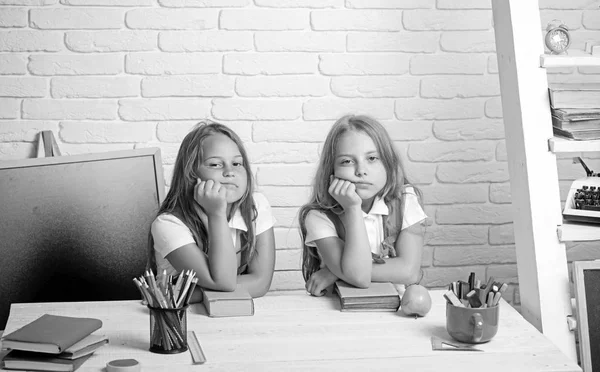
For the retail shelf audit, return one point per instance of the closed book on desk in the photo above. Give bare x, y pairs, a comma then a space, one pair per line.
378, 297
31, 361
221, 304
50, 333
575, 95
84, 347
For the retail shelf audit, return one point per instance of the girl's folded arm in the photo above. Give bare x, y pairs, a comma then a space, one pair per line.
332, 251
257, 280
210, 275
406, 267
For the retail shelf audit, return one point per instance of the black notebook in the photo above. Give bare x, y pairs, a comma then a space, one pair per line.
28, 360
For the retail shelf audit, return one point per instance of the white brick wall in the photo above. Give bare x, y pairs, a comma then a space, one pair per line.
119, 74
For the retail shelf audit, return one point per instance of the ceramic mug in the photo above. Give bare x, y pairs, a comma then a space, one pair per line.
472, 325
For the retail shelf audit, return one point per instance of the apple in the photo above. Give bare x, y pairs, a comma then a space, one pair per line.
416, 301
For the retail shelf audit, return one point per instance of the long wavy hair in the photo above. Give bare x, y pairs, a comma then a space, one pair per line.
320, 198
180, 198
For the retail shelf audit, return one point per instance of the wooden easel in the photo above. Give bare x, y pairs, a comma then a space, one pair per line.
47, 145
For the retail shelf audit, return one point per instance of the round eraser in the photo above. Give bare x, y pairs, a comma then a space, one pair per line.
123, 365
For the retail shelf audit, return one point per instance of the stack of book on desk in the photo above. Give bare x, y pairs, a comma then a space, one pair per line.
52, 343
575, 110
223, 304
378, 297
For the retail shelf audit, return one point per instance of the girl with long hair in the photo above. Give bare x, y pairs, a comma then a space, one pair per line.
212, 221
364, 221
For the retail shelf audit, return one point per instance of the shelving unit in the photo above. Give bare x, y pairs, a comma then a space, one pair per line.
562, 145
574, 58
570, 232
531, 147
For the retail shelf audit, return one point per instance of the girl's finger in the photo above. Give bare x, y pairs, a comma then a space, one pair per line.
311, 286
338, 187
345, 186
331, 188
334, 182
319, 292
351, 188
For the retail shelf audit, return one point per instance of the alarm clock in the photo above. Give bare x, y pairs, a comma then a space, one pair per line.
557, 37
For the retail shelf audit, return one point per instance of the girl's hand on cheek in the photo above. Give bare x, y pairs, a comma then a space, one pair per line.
344, 192
211, 195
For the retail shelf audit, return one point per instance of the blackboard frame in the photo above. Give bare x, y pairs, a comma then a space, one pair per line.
583, 322
57, 245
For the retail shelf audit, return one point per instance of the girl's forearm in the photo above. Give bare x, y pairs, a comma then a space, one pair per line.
256, 285
356, 258
222, 260
396, 270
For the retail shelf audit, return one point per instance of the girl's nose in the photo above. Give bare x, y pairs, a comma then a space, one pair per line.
360, 171
228, 171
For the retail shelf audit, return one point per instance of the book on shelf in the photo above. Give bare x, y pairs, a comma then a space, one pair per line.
580, 135
29, 360
226, 304
378, 297
84, 347
574, 95
50, 333
576, 114
575, 125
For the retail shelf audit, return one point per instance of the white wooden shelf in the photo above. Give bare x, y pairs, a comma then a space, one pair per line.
564, 145
571, 232
575, 58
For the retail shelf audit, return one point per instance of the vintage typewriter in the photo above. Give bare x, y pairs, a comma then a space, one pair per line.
583, 200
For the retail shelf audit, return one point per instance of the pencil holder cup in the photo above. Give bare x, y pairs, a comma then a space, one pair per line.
472, 325
168, 330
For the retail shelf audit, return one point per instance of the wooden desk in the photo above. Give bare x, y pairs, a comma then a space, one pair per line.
295, 332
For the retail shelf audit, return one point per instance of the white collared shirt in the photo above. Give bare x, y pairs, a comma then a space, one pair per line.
170, 233
319, 226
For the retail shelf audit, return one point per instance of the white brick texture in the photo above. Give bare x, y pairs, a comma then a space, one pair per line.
85, 18
171, 19
74, 65
121, 74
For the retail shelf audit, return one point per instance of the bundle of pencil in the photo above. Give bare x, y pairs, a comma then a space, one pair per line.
167, 299
473, 294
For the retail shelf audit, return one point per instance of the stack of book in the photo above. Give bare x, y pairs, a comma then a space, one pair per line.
224, 304
378, 297
575, 110
52, 343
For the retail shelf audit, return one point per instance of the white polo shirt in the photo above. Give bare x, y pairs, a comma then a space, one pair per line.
170, 233
319, 226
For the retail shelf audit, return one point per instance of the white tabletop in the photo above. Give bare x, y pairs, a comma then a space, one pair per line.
293, 331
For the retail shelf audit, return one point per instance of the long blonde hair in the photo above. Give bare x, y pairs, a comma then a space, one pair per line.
321, 199
180, 198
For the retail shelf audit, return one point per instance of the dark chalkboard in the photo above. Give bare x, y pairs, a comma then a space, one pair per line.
75, 228
587, 292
